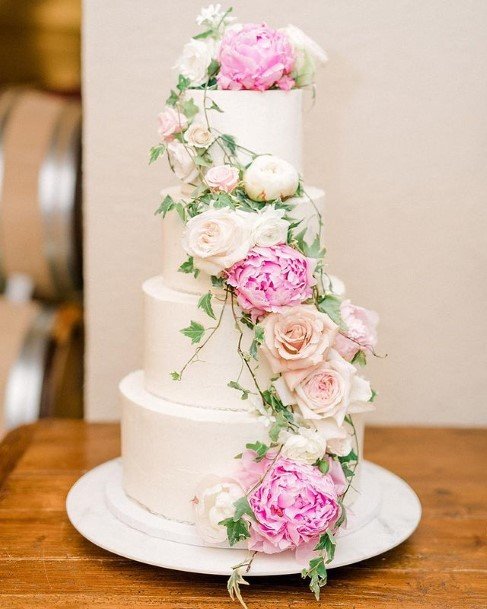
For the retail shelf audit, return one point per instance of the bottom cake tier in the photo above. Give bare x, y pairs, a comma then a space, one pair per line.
169, 449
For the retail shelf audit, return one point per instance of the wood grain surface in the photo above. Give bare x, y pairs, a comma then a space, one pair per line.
45, 563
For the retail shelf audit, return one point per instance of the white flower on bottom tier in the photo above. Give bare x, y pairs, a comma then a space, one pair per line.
306, 446
218, 238
182, 162
268, 178
269, 227
214, 503
330, 389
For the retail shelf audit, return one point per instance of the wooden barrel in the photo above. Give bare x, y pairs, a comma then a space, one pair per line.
41, 363
40, 180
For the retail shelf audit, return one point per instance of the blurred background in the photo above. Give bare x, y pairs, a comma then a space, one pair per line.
397, 137
41, 317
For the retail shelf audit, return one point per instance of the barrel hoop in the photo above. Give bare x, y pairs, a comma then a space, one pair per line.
57, 196
24, 386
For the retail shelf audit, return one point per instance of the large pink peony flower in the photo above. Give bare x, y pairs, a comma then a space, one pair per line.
361, 328
295, 504
256, 57
270, 278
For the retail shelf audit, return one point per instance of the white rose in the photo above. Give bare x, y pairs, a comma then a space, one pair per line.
214, 504
182, 162
338, 439
269, 227
306, 446
309, 55
329, 389
195, 60
199, 136
268, 177
217, 239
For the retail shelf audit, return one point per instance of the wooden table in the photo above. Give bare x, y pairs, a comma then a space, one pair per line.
45, 563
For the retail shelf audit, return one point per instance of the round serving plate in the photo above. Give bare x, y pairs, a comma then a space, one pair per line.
385, 515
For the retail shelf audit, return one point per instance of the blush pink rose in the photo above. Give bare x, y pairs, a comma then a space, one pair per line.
361, 328
270, 278
222, 178
297, 337
255, 57
170, 122
294, 504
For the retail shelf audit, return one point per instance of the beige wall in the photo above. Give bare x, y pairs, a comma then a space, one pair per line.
398, 139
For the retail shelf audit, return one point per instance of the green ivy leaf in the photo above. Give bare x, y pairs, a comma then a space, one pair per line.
214, 106
315, 250
259, 448
327, 544
155, 152
183, 83
175, 376
359, 359
352, 456
237, 530
331, 306
188, 267
217, 282
316, 571
194, 331
223, 200
172, 100
373, 396
189, 108
258, 338
203, 35
204, 303
242, 508
167, 205
238, 387
203, 160
246, 320
229, 142
213, 68
179, 207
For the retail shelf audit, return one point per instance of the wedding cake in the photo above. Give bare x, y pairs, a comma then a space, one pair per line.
245, 425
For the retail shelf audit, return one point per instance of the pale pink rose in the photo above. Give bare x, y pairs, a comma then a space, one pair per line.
294, 504
361, 327
330, 389
255, 57
222, 178
297, 337
170, 122
270, 278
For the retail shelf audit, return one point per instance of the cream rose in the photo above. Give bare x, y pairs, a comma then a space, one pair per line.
169, 122
309, 55
217, 239
330, 389
269, 227
222, 178
296, 338
182, 162
268, 177
306, 446
199, 136
338, 439
195, 60
213, 504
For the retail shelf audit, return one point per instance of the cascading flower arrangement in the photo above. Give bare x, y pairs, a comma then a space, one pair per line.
267, 267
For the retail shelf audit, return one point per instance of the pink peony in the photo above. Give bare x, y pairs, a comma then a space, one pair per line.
361, 327
270, 278
170, 122
255, 57
222, 178
295, 504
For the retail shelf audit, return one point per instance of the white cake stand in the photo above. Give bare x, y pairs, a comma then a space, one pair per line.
386, 513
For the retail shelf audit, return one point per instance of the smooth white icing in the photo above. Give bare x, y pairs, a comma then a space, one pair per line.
268, 122
204, 382
169, 449
173, 254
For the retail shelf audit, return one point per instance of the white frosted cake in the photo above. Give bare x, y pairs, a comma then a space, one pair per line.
244, 423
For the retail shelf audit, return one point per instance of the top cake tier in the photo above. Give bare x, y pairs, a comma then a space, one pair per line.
268, 122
